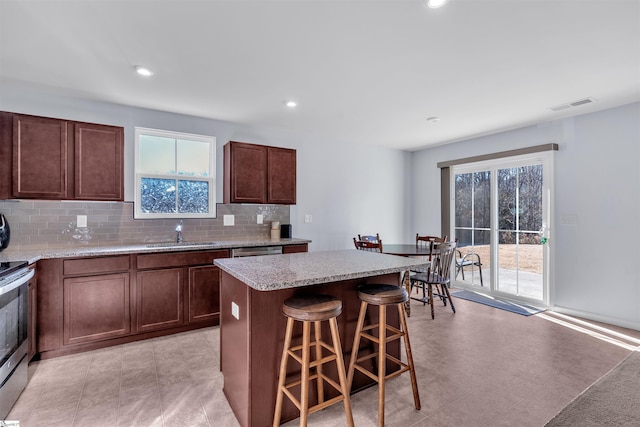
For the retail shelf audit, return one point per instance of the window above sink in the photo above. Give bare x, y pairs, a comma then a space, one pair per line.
174, 174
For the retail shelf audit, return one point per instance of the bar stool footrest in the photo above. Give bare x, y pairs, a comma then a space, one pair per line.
366, 372
316, 377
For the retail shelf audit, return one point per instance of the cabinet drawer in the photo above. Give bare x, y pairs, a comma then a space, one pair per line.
292, 249
177, 259
95, 265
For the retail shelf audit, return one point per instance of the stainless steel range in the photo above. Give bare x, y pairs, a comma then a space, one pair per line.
14, 344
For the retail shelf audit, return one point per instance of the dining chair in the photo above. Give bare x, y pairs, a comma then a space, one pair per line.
364, 245
469, 259
438, 275
370, 238
426, 242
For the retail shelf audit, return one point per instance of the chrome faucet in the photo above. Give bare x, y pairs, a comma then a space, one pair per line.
179, 232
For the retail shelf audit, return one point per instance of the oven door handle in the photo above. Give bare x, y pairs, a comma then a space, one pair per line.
17, 283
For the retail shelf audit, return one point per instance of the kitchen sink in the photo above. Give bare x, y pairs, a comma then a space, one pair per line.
176, 244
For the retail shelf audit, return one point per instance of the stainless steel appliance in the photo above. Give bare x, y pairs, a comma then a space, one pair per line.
256, 251
5, 232
14, 340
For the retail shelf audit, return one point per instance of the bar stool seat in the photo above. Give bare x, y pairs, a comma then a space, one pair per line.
312, 309
382, 295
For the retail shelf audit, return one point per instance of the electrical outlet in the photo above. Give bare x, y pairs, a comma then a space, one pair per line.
81, 221
308, 218
235, 310
229, 220
260, 219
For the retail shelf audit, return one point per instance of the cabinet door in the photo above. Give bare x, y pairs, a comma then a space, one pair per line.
6, 144
96, 308
40, 157
245, 173
159, 299
99, 159
204, 293
281, 176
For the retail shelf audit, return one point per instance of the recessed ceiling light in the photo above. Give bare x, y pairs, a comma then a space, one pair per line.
144, 71
291, 104
433, 119
436, 3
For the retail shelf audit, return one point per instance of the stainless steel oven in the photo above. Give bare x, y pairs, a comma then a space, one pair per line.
14, 340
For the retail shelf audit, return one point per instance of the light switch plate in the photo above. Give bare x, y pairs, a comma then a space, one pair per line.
260, 218
81, 221
235, 310
308, 218
569, 219
229, 220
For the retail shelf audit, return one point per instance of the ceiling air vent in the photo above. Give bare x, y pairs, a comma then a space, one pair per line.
572, 104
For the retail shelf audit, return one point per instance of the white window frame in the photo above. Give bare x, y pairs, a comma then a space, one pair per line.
211, 179
546, 158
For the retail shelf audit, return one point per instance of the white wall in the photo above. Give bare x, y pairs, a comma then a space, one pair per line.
597, 179
348, 189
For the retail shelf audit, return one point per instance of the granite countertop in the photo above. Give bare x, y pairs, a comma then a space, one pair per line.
274, 272
34, 254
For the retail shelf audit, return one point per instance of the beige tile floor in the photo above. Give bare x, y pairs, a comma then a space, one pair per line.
479, 367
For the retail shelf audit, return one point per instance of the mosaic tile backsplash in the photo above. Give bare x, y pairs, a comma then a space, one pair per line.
45, 224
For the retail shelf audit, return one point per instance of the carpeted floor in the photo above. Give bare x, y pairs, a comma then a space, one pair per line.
613, 400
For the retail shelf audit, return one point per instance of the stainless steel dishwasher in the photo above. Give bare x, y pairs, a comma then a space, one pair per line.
256, 251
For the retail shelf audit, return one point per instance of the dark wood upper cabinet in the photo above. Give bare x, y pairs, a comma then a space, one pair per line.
245, 173
98, 162
40, 157
60, 159
281, 176
259, 174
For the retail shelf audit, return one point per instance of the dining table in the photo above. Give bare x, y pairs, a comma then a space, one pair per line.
407, 250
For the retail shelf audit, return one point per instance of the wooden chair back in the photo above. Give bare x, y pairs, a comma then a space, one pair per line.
363, 245
443, 255
428, 242
370, 238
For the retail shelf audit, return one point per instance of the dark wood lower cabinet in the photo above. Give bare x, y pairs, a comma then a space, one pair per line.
292, 249
80, 304
160, 299
204, 294
93, 302
96, 308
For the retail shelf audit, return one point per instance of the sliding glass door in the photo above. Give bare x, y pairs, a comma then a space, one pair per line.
472, 197
520, 255
500, 212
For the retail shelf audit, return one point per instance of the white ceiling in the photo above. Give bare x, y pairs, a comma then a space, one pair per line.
362, 71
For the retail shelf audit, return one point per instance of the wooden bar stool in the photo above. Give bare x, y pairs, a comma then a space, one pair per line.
312, 309
382, 296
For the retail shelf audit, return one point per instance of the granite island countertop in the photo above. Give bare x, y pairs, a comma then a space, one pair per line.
274, 272
34, 254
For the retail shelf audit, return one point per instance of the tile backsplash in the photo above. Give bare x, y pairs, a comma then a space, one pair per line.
41, 223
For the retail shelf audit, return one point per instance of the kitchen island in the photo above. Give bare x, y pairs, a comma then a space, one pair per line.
252, 325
